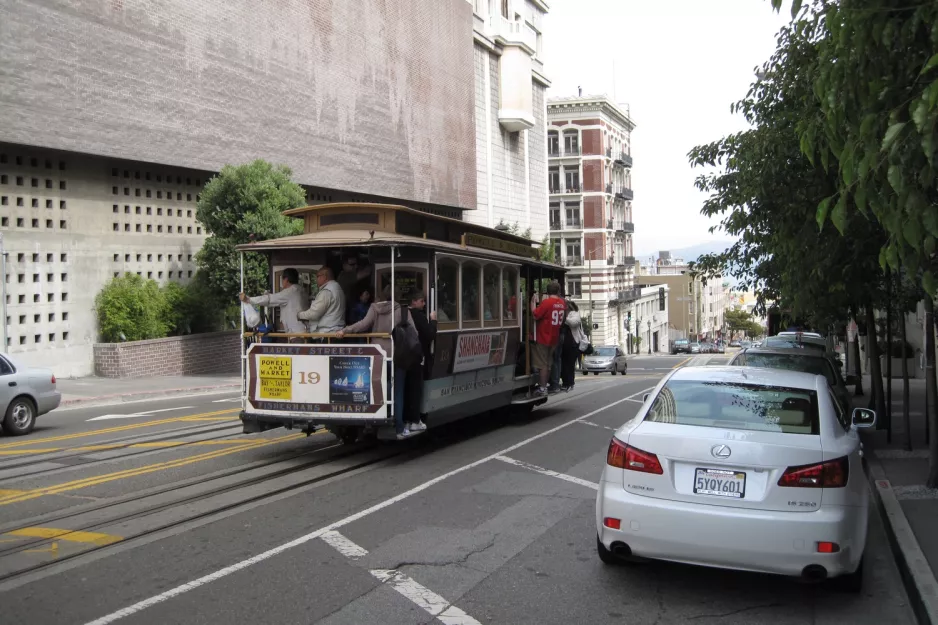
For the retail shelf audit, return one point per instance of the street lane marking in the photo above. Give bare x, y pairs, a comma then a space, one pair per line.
53, 549
596, 425
219, 401
343, 545
682, 362
120, 428
6, 492
433, 603
74, 536
137, 414
128, 473
424, 597
106, 447
543, 471
302, 540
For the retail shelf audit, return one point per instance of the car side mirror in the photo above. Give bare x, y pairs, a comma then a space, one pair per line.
863, 418
645, 397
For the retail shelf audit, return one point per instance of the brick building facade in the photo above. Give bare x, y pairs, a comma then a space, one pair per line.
590, 209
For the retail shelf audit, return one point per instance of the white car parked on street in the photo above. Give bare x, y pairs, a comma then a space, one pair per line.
739, 468
25, 393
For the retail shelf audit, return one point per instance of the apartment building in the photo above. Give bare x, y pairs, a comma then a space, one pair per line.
510, 115
590, 208
695, 308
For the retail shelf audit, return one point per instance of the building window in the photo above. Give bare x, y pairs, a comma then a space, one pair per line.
573, 252
553, 179
572, 214
553, 143
571, 142
575, 288
555, 216
572, 178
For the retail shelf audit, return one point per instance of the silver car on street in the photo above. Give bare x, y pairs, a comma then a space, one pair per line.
608, 359
25, 393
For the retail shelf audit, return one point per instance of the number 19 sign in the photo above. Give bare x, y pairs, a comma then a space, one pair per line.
329, 380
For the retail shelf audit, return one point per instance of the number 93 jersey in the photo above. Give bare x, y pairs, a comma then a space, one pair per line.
549, 315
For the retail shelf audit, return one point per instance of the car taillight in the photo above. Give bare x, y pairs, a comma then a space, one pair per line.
623, 456
53, 379
830, 474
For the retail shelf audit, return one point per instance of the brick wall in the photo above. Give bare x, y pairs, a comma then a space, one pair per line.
593, 175
593, 212
197, 354
592, 142
369, 96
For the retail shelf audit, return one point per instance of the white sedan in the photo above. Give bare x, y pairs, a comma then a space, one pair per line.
739, 468
25, 393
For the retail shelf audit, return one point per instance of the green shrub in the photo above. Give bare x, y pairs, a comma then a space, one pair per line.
139, 309
133, 307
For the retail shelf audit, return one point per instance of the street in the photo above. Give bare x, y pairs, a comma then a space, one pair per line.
163, 512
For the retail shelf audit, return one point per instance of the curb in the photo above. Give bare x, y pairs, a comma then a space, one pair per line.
119, 398
917, 576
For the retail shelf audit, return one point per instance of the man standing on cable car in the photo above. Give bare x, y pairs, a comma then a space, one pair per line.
327, 312
548, 316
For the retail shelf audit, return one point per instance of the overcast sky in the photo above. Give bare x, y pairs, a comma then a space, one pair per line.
679, 64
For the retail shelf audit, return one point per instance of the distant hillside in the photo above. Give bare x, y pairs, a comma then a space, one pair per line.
690, 253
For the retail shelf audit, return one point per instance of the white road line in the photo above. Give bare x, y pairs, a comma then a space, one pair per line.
425, 598
596, 425
343, 545
543, 471
228, 399
137, 414
234, 568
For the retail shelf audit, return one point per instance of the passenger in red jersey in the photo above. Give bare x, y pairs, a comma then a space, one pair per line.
549, 317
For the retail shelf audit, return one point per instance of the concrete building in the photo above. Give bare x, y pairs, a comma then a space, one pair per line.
108, 138
590, 183
510, 115
695, 309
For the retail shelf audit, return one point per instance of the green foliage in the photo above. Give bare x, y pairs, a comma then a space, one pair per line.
753, 329
546, 251
139, 309
772, 193
875, 89
241, 204
737, 320
131, 306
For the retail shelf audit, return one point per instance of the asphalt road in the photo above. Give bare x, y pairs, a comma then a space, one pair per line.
179, 518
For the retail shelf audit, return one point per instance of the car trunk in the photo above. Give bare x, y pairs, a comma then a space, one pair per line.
698, 470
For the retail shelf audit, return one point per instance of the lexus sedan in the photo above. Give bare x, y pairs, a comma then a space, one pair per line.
739, 468
605, 360
25, 393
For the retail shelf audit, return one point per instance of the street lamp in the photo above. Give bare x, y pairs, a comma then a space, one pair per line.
589, 263
649, 336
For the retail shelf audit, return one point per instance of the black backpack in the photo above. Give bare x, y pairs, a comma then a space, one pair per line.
408, 352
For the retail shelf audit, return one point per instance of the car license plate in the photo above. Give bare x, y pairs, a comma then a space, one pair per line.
720, 483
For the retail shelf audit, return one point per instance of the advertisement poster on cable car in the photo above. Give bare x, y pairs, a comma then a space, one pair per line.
478, 350
333, 380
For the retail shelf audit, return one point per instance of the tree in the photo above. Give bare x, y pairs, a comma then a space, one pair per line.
737, 320
754, 329
245, 203
130, 308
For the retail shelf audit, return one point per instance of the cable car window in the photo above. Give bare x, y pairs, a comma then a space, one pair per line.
491, 309
510, 295
471, 297
447, 286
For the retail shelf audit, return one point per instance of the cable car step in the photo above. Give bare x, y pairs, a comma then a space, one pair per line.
525, 400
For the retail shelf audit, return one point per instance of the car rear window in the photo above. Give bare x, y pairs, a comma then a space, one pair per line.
605, 352
736, 406
781, 341
791, 362
681, 342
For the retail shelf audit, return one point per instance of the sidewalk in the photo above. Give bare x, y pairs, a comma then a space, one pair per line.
911, 509
93, 391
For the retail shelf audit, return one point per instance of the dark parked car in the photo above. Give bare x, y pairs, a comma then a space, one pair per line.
680, 346
804, 360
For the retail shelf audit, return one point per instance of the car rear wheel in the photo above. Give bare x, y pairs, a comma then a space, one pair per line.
20, 418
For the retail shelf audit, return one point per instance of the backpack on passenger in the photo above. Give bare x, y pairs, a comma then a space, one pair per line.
408, 352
